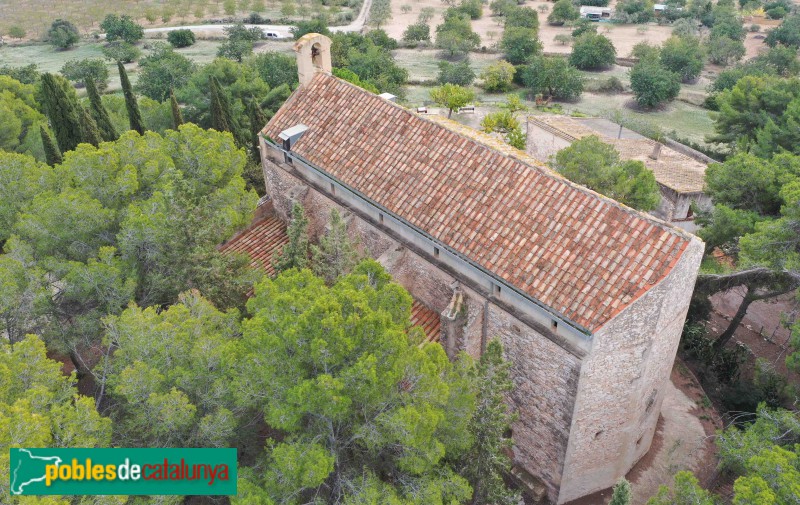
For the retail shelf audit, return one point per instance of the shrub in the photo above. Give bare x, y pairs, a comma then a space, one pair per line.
121, 28
62, 34
610, 85
634, 11
418, 32
498, 76
78, 70
455, 36
181, 38
460, 73
563, 39
652, 84
121, 51
381, 39
777, 12
684, 56
16, 32
724, 50
685, 27
472, 8
563, 11
502, 7
788, 33
592, 51
645, 51
584, 26
553, 76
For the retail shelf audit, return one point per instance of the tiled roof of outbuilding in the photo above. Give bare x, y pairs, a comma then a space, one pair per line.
583, 255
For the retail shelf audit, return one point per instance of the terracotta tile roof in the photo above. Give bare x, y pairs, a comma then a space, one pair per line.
672, 169
262, 239
427, 319
577, 252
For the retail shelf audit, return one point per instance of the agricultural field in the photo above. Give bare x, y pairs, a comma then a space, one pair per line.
35, 16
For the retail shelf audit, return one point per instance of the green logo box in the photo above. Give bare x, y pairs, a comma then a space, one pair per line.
123, 471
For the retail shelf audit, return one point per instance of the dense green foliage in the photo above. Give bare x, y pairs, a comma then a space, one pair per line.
62, 34
452, 97
498, 76
79, 70
181, 38
595, 164
455, 36
759, 112
163, 69
369, 58
135, 219
788, 33
520, 40
652, 84
239, 43
460, 73
121, 28
418, 32
553, 76
563, 11
119, 50
684, 56
40, 407
764, 456
19, 129
592, 51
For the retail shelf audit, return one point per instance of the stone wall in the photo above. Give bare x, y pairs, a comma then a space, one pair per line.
545, 375
621, 384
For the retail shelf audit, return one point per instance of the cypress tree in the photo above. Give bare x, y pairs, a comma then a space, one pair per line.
621, 494
177, 117
134, 115
336, 255
61, 104
257, 122
221, 119
295, 253
51, 152
99, 112
90, 133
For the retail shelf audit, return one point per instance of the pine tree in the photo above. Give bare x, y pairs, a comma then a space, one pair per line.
221, 119
99, 112
621, 494
336, 256
485, 463
177, 117
295, 253
257, 122
134, 115
61, 105
90, 133
51, 152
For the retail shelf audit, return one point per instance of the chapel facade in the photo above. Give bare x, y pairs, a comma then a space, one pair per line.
587, 296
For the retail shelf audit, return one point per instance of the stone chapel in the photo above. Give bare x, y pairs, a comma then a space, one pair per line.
587, 296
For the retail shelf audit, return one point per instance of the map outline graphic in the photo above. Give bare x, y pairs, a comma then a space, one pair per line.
19, 487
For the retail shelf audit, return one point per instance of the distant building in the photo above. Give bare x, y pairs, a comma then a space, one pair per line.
680, 177
595, 13
587, 296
